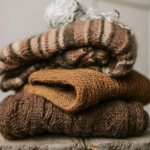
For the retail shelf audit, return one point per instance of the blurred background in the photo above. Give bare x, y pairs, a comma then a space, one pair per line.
20, 19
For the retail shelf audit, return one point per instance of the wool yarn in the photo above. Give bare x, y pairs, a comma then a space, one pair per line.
63, 12
26, 114
98, 43
74, 90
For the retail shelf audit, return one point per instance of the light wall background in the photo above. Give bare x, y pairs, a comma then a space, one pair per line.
20, 19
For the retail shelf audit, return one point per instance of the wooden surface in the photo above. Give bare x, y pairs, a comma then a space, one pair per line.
53, 142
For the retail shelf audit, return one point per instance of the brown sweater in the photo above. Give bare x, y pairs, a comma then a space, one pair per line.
96, 44
26, 114
74, 90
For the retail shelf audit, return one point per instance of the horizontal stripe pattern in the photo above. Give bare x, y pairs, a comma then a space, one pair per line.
98, 33
79, 33
20, 49
51, 45
15, 55
36, 46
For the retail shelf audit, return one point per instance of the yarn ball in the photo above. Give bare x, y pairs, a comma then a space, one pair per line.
63, 12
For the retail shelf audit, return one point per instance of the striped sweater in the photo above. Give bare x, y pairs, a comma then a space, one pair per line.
98, 44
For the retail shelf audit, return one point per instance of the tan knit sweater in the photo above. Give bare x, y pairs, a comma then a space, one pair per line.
74, 90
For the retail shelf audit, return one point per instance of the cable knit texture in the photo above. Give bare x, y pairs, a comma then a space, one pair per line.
26, 114
74, 90
98, 44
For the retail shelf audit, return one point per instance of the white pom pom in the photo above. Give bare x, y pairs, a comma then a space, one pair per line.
64, 12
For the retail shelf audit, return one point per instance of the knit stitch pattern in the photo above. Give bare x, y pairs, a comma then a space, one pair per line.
19, 77
26, 114
102, 45
74, 90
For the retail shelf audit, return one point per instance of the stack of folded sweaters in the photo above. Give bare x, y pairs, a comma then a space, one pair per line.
75, 79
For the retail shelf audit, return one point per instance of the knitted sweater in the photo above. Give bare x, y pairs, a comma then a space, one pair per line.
26, 114
99, 44
74, 90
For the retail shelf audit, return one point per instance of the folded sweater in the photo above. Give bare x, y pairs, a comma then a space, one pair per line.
26, 114
97, 44
74, 90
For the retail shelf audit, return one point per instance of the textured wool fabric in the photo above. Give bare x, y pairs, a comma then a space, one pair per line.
105, 46
74, 90
18, 78
25, 114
